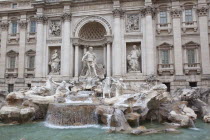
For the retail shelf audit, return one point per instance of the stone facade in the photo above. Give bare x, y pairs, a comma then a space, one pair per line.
171, 40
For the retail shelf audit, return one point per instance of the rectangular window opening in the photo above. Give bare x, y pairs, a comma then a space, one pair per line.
10, 88
193, 84
168, 85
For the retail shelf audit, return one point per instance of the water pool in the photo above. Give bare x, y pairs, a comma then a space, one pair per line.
39, 131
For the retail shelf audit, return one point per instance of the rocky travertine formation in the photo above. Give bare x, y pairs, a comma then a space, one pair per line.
124, 112
153, 104
198, 99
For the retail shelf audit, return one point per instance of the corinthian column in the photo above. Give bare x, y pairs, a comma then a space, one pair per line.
4, 32
21, 62
39, 62
176, 14
117, 51
67, 50
203, 26
149, 40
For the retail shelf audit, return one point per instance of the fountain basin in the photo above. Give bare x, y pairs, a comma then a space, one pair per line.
71, 114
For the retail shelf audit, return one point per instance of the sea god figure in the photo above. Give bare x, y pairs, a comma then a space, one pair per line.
133, 59
55, 63
89, 60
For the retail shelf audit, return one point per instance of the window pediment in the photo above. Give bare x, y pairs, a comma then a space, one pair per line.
191, 44
165, 46
12, 53
30, 52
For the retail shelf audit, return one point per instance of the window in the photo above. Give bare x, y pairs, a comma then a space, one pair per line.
31, 62
14, 27
168, 85
10, 88
33, 27
12, 62
193, 84
188, 15
163, 17
29, 86
14, 5
191, 56
165, 56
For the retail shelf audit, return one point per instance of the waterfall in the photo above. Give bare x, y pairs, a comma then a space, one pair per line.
193, 125
71, 114
109, 119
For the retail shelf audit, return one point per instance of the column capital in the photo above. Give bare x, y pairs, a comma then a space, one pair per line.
109, 39
23, 24
176, 13
41, 18
66, 16
148, 10
202, 11
4, 25
118, 12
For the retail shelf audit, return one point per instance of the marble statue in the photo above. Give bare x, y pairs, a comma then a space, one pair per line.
107, 87
89, 59
119, 87
45, 90
55, 63
133, 59
55, 29
62, 89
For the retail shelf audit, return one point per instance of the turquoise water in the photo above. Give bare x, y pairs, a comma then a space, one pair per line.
39, 131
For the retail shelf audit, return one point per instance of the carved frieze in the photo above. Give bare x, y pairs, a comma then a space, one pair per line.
55, 28
4, 26
132, 23
176, 13
66, 16
203, 11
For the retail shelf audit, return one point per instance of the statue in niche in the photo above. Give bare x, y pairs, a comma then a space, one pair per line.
55, 63
89, 59
55, 28
132, 23
133, 59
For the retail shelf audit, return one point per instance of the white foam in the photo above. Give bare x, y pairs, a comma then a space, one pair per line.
196, 129
86, 101
71, 127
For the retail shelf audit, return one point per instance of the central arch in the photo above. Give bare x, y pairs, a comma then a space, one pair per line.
96, 32
88, 19
92, 31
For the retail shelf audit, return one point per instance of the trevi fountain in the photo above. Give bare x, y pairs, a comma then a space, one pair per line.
96, 106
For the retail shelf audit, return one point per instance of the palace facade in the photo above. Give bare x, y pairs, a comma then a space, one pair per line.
39, 38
